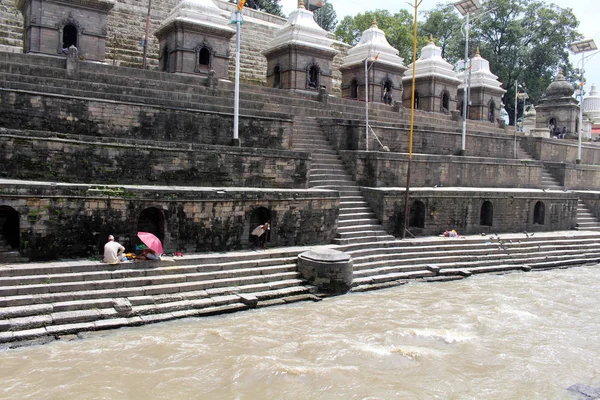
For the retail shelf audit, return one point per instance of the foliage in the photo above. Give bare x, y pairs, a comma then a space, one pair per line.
525, 41
326, 17
268, 6
443, 23
398, 30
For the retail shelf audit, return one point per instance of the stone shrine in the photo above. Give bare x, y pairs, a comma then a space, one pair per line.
385, 68
194, 39
300, 55
486, 91
436, 84
50, 27
558, 109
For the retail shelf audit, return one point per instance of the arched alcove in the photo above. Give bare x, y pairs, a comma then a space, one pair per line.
69, 36
313, 77
539, 213
204, 57
9, 228
276, 76
416, 216
354, 89
492, 111
486, 216
417, 99
445, 102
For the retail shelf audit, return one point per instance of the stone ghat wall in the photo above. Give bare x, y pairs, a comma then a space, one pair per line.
556, 150
377, 169
122, 119
512, 210
349, 135
575, 176
73, 221
126, 26
119, 161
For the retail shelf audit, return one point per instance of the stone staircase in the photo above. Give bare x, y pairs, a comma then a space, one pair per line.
441, 259
357, 222
45, 300
586, 221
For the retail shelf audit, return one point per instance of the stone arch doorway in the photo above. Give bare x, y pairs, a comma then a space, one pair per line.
259, 216
152, 220
486, 216
386, 95
10, 230
491, 111
69, 36
539, 213
164, 61
417, 100
204, 58
416, 217
354, 89
277, 77
312, 81
445, 102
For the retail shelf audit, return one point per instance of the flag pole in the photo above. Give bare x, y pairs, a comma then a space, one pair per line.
412, 122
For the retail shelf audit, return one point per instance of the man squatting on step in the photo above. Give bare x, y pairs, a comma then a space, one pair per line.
113, 251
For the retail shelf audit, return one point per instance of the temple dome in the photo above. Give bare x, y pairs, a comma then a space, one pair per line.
373, 43
481, 76
301, 30
559, 88
196, 12
591, 104
431, 63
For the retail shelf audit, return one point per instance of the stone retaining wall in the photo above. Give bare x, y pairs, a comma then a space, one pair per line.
565, 150
72, 221
513, 210
109, 118
575, 176
382, 169
75, 159
350, 135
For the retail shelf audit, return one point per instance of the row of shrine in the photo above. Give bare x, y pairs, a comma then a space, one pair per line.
195, 38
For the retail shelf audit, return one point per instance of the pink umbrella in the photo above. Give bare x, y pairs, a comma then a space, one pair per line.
151, 241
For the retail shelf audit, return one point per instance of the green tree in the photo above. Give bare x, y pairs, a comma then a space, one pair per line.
444, 24
268, 6
326, 17
525, 41
398, 30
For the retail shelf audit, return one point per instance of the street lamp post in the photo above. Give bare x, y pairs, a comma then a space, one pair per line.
581, 47
465, 8
237, 19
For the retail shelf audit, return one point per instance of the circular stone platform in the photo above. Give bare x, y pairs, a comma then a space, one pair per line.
330, 270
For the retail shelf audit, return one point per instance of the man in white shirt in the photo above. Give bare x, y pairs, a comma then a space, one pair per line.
113, 251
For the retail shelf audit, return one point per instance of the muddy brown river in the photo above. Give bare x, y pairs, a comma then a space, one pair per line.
516, 336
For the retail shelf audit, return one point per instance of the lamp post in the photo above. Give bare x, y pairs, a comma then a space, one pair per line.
465, 8
237, 19
581, 47
145, 54
524, 96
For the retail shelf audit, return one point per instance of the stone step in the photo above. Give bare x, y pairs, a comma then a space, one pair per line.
15, 296
356, 223
347, 215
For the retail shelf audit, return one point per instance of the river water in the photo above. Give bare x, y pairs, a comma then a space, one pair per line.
516, 336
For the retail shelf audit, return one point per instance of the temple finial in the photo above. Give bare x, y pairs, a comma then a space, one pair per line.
300, 3
431, 38
477, 52
374, 23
